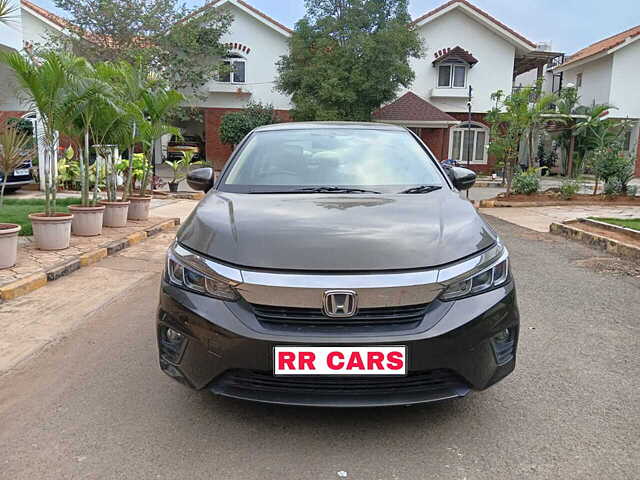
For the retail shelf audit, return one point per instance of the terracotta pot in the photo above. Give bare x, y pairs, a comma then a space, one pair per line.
8, 244
51, 233
139, 208
87, 221
115, 214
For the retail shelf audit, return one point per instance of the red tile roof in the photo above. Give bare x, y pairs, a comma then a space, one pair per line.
52, 17
603, 45
410, 107
457, 52
477, 10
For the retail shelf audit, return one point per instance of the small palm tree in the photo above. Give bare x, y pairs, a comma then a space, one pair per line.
42, 85
13, 150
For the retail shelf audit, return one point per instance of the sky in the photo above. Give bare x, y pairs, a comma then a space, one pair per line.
568, 24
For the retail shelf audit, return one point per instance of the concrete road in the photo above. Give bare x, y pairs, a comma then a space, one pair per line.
95, 405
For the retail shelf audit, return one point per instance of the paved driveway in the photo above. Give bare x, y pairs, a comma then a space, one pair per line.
95, 405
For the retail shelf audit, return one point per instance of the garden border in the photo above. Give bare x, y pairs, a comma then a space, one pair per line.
16, 288
600, 242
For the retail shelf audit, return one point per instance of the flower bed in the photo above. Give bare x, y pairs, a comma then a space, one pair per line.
553, 199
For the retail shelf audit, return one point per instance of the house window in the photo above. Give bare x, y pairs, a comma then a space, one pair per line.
579, 79
238, 66
451, 75
468, 143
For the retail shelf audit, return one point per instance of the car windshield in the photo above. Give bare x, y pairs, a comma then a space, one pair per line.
299, 159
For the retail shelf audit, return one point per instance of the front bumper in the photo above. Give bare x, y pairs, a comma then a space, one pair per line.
457, 348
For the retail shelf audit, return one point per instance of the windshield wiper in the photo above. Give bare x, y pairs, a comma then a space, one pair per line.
422, 189
331, 189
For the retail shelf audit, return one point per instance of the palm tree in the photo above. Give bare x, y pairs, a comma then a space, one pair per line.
43, 86
157, 104
13, 150
7, 11
129, 82
82, 101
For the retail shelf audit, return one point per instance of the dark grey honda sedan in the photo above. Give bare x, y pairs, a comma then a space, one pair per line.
336, 264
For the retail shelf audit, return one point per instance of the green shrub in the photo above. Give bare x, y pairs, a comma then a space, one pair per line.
569, 188
526, 183
235, 126
613, 187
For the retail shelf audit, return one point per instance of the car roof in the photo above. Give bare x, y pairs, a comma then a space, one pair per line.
324, 125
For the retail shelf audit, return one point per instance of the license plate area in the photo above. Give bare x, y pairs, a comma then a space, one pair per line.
351, 361
21, 172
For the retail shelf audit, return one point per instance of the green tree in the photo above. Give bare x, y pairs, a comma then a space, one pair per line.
235, 126
509, 120
162, 35
347, 57
42, 84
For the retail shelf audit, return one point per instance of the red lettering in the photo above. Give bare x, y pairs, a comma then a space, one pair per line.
285, 360
355, 361
333, 365
394, 361
306, 359
374, 360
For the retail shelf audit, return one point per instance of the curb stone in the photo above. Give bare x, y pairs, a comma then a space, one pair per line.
25, 285
22, 286
600, 242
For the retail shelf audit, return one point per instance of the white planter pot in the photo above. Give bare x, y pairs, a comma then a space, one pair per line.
87, 221
115, 214
8, 244
139, 208
51, 233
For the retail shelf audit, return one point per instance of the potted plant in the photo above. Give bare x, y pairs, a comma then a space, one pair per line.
43, 83
83, 102
140, 202
13, 149
177, 167
116, 211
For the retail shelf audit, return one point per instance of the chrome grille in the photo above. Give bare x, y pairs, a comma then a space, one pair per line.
314, 317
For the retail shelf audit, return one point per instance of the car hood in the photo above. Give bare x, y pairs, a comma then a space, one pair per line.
336, 232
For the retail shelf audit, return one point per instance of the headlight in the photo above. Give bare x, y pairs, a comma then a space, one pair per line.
477, 282
189, 271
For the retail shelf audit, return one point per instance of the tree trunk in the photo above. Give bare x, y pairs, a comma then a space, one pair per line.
127, 188
4, 184
570, 159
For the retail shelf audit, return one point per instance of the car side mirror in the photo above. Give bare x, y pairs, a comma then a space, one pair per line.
462, 178
201, 179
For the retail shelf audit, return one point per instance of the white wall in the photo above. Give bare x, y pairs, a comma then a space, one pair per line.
34, 30
596, 80
267, 45
9, 99
493, 71
625, 82
528, 79
11, 33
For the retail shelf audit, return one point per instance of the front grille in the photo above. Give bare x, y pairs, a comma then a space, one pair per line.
314, 317
429, 382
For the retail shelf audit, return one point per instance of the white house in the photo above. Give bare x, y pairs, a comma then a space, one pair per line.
465, 47
606, 72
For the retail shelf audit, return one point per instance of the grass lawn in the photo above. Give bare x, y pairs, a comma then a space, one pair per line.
17, 210
633, 223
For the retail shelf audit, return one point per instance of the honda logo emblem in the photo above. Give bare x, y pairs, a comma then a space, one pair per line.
340, 303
